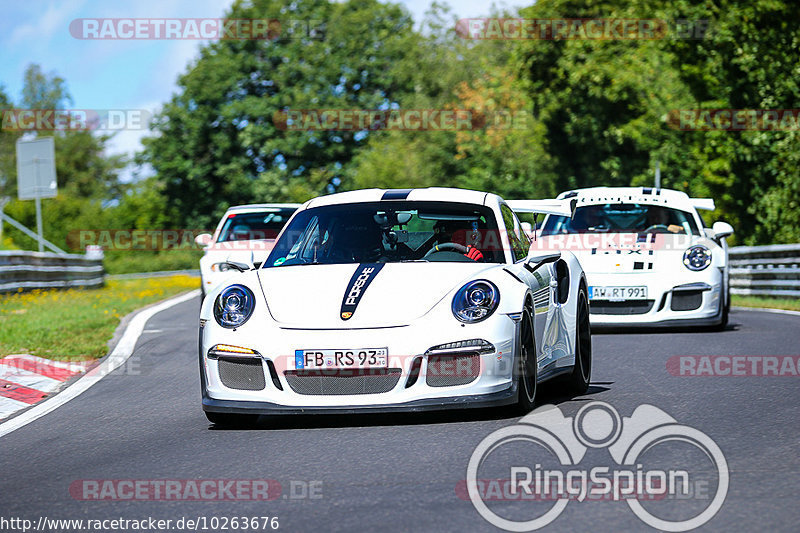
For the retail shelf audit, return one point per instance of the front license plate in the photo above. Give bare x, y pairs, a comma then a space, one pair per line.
360, 358
618, 293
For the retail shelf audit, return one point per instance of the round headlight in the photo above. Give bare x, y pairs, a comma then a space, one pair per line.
475, 301
234, 306
697, 257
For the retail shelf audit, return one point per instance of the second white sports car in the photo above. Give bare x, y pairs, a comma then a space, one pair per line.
649, 257
410, 300
245, 234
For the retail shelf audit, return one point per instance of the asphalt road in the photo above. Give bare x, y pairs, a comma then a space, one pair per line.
396, 473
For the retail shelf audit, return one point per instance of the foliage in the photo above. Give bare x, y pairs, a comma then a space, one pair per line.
218, 142
594, 112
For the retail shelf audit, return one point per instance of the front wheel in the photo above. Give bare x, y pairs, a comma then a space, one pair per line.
526, 365
582, 370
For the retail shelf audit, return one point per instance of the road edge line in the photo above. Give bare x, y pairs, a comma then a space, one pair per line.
121, 352
767, 310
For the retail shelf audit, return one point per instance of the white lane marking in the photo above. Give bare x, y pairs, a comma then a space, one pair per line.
29, 379
8, 406
768, 310
118, 356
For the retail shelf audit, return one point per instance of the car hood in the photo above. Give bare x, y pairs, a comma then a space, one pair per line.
312, 296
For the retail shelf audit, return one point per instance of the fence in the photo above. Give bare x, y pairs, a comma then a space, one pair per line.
42, 270
766, 270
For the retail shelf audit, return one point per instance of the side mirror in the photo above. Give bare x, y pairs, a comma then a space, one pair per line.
722, 230
204, 239
241, 267
535, 261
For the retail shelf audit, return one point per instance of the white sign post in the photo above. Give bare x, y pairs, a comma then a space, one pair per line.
36, 175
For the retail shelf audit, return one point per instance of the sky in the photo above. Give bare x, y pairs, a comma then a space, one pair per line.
122, 74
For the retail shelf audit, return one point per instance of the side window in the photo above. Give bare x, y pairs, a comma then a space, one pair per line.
516, 237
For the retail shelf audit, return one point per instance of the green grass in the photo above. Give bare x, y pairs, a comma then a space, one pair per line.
792, 304
76, 324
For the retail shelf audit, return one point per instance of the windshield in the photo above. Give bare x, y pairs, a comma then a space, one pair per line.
265, 224
623, 218
384, 232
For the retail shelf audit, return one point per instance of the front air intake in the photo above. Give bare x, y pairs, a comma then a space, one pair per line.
686, 300
452, 370
242, 373
339, 382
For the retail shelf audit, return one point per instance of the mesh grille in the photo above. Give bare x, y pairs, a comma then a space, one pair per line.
341, 382
452, 370
686, 300
635, 307
242, 374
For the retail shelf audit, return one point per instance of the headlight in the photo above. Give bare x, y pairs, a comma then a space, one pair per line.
234, 306
476, 301
697, 257
221, 267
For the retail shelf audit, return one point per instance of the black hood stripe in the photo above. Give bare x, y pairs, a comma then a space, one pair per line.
362, 277
396, 194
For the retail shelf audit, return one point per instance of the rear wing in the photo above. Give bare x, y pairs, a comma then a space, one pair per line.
544, 207
706, 204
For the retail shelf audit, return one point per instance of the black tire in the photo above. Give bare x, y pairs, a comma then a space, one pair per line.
581, 375
231, 419
526, 370
726, 309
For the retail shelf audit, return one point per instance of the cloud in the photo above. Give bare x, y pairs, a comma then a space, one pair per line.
44, 27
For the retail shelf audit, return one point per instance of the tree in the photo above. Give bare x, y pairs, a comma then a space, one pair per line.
87, 178
218, 141
604, 105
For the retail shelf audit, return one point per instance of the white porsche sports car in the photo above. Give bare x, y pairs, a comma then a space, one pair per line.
245, 234
382, 300
648, 255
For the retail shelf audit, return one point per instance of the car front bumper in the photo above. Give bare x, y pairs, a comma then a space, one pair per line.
486, 380
696, 301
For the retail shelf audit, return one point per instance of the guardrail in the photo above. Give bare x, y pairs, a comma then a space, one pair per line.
43, 270
765, 270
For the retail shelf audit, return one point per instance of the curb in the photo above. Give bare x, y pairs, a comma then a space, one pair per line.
767, 310
131, 326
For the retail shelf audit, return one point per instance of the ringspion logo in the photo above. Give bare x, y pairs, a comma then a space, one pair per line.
554, 474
